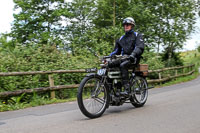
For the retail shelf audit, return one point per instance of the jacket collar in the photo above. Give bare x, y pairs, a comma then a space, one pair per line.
129, 32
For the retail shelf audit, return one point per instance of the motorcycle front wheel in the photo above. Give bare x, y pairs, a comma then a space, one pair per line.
92, 96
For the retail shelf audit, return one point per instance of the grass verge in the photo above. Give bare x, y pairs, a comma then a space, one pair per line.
37, 102
179, 80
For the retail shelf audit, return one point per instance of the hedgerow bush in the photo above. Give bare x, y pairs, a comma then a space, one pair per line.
40, 58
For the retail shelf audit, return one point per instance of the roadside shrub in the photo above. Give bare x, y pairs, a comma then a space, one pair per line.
40, 58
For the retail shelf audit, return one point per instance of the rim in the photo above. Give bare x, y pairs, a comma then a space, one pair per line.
141, 92
94, 96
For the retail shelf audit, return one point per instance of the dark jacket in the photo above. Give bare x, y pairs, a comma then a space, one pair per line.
130, 43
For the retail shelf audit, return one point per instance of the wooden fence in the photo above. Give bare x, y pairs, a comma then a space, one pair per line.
186, 70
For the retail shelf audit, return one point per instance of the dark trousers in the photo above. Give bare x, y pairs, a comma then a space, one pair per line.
124, 65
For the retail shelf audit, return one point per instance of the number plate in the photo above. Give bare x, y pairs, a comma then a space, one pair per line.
89, 70
101, 72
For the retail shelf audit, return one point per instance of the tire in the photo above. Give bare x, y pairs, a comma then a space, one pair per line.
92, 96
139, 97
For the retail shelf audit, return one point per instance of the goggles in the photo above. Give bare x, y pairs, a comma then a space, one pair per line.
127, 21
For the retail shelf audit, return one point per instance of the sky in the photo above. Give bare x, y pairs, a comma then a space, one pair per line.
6, 15
194, 38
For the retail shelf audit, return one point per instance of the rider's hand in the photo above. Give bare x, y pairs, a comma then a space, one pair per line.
113, 56
132, 58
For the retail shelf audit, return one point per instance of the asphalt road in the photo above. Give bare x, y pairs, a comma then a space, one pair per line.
172, 109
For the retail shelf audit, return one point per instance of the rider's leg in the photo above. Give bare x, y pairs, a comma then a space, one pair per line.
125, 76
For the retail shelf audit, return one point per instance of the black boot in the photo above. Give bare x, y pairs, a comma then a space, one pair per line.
126, 90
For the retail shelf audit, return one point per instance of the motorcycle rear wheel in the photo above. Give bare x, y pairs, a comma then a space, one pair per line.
92, 96
139, 91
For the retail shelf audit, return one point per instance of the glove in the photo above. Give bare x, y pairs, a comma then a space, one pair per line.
132, 58
113, 56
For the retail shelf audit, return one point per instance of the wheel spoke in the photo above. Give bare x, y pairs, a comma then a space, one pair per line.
96, 86
89, 104
99, 100
92, 109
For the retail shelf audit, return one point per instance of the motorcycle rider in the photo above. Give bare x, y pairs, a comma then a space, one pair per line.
130, 44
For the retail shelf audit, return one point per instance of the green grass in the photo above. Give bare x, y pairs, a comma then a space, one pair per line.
191, 57
36, 102
179, 80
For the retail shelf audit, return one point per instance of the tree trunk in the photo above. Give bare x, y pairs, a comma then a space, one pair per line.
160, 31
114, 18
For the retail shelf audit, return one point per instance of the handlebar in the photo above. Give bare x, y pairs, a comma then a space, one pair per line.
107, 59
115, 56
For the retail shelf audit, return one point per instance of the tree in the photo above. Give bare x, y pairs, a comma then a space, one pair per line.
179, 19
109, 15
165, 23
79, 24
198, 47
38, 21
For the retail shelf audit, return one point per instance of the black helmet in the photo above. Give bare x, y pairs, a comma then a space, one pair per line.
128, 20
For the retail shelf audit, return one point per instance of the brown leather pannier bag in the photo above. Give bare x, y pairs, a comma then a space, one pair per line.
142, 68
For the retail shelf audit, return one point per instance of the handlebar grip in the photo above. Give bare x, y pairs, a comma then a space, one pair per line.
106, 57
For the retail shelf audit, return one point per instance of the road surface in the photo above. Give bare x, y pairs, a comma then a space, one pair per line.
172, 109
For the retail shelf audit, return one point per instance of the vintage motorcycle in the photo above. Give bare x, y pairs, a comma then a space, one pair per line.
100, 89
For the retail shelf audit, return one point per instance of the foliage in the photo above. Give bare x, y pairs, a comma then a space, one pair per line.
39, 21
198, 48
5, 44
36, 100
89, 23
191, 57
153, 60
180, 80
180, 23
175, 59
40, 58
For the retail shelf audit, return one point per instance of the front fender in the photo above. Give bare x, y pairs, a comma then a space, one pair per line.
93, 74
